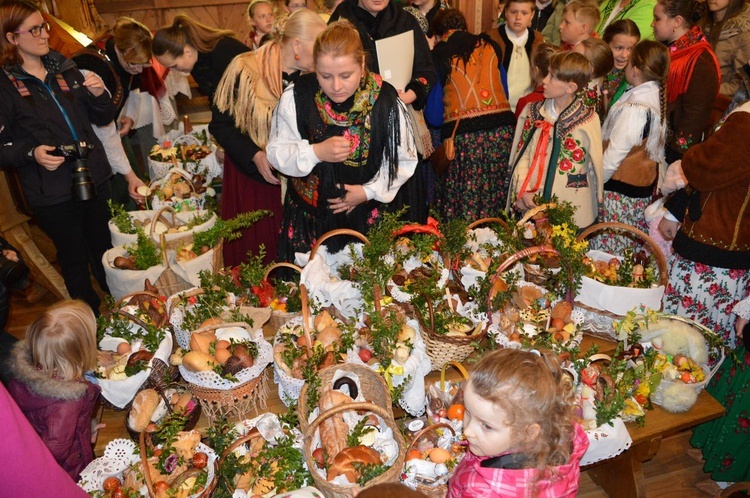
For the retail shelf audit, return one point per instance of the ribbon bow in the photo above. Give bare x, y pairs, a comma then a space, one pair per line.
389, 372
538, 160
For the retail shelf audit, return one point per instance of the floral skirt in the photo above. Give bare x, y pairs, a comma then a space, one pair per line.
623, 209
705, 294
473, 186
726, 441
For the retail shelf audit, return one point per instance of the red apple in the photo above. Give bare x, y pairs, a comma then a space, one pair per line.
365, 355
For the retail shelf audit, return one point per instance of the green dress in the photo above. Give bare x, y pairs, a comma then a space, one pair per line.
726, 441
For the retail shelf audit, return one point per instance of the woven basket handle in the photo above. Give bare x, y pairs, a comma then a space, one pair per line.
487, 221
144, 465
160, 214
661, 261
345, 407
281, 264
333, 233
224, 326
425, 431
458, 366
534, 211
175, 297
132, 318
430, 311
239, 442
128, 297
523, 253
305, 299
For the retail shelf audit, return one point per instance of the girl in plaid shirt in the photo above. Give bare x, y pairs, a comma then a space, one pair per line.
518, 423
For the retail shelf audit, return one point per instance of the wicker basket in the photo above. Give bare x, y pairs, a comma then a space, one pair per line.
600, 320
144, 440
237, 402
334, 233
331, 490
192, 417
657, 395
236, 444
432, 491
443, 349
279, 318
373, 387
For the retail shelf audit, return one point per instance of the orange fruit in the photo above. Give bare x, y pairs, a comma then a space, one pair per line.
456, 412
414, 455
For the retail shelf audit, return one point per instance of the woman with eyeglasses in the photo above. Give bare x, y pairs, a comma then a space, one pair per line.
46, 103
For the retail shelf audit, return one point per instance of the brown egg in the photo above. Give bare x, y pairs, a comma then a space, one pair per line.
222, 344
557, 323
222, 355
123, 348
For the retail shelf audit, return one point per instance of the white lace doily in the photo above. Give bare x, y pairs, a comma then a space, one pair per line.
289, 387
742, 309
324, 287
606, 441
212, 380
597, 323
118, 455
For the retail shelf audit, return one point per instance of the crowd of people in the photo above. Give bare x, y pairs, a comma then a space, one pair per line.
609, 106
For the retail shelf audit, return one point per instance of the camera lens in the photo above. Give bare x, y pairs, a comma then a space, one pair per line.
83, 188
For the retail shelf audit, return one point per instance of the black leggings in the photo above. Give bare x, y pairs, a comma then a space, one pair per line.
81, 236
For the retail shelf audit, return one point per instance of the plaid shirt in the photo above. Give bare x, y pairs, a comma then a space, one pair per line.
471, 480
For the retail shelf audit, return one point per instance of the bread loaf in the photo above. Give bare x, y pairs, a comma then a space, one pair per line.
333, 430
343, 462
198, 362
144, 405
202, 341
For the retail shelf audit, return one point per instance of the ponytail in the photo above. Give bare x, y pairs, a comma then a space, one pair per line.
185, 31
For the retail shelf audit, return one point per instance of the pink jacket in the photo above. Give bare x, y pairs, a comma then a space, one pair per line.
471, 480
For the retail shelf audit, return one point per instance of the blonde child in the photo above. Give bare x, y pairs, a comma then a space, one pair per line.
634, 135
260, 16
600, 56
48, 381
522, 440
621, 36
579, 21
558, 144
539, 68
517, 39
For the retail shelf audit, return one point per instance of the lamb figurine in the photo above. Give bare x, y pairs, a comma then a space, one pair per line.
676, 337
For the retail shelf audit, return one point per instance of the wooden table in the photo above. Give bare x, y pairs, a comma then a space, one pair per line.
622, 476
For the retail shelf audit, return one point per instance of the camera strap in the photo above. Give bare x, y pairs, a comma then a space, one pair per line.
24, 92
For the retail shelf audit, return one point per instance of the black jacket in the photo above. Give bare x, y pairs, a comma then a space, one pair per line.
391, 21
29, 121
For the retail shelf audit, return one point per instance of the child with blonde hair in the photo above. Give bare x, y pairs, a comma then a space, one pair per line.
48, 381
522, 440
579, 21
260, 18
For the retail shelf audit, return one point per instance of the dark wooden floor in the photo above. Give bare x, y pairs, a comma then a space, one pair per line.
671, 474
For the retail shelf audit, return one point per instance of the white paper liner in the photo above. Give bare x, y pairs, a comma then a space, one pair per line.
615, 299
121, 239
121, 392
212, 380
323, 285
606, 441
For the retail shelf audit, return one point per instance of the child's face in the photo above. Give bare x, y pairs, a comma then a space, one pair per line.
663, 25
485, 426
572, 30
621, 46
262, 19
518, 16
295, 5
554, 88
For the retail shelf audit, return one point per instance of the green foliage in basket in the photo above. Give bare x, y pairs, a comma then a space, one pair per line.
220, 436
283, 464
116, 325
453, 239
572, 252
397, 391
384, 332
480, 291
145, 252
200, 219
221, 281
228, 229
359, 431
121, 218
290, 291
369, 471
210, 304
254, 269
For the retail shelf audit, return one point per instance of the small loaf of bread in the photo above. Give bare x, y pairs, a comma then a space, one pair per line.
202, 341
343, 463
198, 362
144, 405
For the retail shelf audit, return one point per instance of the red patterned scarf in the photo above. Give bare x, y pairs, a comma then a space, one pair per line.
684, 53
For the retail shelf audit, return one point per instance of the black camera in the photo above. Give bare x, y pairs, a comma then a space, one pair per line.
78, 154
12, 272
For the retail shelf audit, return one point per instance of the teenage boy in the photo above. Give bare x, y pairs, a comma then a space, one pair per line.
558, 144
579, 21
516, 39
